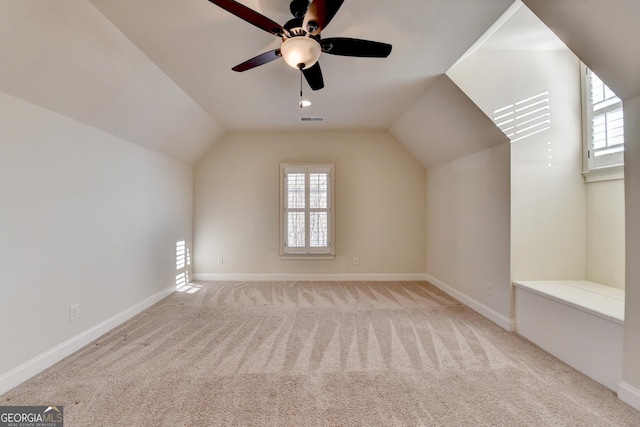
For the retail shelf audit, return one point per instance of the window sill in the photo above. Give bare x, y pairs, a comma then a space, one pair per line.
604, 174
307, 256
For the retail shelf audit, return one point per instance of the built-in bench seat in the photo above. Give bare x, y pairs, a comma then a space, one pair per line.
579, 322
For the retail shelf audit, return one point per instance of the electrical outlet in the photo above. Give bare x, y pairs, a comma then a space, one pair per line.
489, 289
74, 312
220, 261
356, 260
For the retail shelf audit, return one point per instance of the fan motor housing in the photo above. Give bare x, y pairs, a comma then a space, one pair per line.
294, 27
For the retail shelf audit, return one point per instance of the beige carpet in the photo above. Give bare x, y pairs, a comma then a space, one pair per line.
317, 354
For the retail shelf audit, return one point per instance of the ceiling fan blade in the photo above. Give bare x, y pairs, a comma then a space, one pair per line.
355, 47
314, 76
261, 59
319, 14
251, 16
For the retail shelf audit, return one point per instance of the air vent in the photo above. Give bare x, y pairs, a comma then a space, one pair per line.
311, 119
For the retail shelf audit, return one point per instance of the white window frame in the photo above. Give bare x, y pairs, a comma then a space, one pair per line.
307, 252
603, 167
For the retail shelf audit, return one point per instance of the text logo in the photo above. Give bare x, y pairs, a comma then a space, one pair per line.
31, 416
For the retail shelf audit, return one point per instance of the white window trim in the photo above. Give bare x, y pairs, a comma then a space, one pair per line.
591, 173
324, 253
609, 173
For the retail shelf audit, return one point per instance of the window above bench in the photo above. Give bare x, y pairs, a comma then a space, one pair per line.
603, 129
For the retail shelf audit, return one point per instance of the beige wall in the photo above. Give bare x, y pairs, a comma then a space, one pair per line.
468, 227
380, 204
87, 218
631, 373
548, 215
605, 232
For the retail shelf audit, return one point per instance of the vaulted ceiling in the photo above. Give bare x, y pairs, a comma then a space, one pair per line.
196, 43
158, 72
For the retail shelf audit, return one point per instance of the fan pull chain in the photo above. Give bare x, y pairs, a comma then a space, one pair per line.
300, 103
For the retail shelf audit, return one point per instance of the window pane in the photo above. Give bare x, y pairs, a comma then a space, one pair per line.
615, 120
607, 126
318, 190
601, 95
611, 150
599, 131
617, 140
617, 114
319, 229
597, 89
295, 189
608, 132
295, 230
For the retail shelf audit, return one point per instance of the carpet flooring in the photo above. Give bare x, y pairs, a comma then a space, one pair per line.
317, 354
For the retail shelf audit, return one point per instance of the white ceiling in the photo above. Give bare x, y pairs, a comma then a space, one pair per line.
67, 57
520, 29
604, 34
158, 72
455, 125
196, 43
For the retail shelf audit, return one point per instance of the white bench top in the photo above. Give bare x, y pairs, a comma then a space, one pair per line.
601, 300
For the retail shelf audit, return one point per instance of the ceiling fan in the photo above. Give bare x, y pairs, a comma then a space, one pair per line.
301, 40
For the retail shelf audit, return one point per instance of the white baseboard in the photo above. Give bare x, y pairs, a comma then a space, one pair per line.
497, 318
629, 395
41, 362
203, 277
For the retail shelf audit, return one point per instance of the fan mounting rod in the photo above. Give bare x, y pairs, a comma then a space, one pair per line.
298, 8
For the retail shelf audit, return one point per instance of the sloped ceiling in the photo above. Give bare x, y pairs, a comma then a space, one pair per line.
605, 35
196, 43
67, 57
445, 125
519, 29
157, 72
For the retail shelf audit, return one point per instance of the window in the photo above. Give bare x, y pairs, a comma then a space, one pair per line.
306, 210
603, 124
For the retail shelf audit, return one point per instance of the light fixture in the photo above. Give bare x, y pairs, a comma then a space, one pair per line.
304, 103
300, 52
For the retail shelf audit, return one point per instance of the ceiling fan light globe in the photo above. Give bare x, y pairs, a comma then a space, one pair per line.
300, 52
